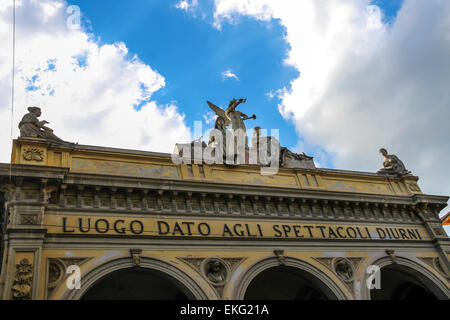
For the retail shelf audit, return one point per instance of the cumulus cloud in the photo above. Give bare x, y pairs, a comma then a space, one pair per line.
364, 84
228, 74
91, 93
186, 5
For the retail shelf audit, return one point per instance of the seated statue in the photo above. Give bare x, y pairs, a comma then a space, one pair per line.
392, 165
31, 127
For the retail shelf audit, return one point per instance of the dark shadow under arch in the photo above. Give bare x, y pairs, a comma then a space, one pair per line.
399, 282
138, 284
287, 283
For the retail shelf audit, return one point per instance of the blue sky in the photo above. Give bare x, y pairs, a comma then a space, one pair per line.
192, 55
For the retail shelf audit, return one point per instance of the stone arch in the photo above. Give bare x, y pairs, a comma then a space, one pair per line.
328, 284
432, 282
101, 272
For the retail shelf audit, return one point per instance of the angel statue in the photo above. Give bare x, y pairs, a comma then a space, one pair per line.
230, 116
222, 121
236, 117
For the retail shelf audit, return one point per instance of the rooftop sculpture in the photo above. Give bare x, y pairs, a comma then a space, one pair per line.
31, 127
392, 165
220, 140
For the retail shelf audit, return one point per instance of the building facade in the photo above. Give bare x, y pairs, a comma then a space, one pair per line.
133, 225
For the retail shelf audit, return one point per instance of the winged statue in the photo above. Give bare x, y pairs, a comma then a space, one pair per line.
220, 114
222, 121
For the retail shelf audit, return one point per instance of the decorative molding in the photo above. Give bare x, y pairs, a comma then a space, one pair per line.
136, 256
356, 262
29, 219
192, 262
435, 263
56, 270
219, 204
280, 255
392, 256
326, 261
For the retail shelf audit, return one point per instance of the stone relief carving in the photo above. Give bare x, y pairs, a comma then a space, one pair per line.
235, 119
136, 256
28, 219
33, 154
55, 272
23, 280
391, 254
392, 165
344, 269
280, 255
213, 272
10, 191
216, 271
31, 127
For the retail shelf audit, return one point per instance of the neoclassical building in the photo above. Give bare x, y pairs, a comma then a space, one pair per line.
133, 225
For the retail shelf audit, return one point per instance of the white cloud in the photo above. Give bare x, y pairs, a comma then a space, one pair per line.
363, 84
210, 117
227, 74
186, 5
87, 90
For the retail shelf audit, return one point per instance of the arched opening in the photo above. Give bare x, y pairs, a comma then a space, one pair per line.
400, 282
287, 283
138, 284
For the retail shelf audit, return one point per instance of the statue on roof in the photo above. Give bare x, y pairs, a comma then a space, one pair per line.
31, 127
236, 117
222, 121
232, 117
392, 165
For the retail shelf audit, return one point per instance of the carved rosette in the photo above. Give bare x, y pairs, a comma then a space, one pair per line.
23, 280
